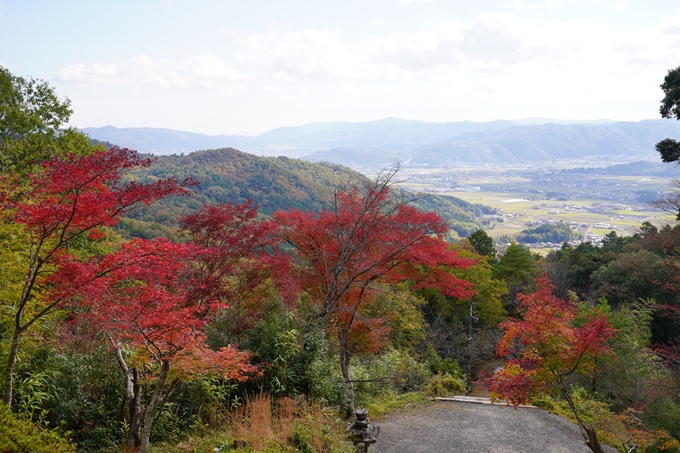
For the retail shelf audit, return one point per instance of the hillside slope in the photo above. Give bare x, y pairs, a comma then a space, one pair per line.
228, 175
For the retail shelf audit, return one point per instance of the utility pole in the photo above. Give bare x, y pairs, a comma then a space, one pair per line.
472, 319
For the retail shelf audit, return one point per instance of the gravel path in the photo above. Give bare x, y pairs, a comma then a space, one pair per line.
476, 428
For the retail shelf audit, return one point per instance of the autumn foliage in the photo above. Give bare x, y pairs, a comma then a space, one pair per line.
69, 200
141, 303
342, 254
153, 300
552, 340
372, 237
236, 260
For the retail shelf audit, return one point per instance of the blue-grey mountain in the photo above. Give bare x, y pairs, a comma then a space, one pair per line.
387, 135
548, 142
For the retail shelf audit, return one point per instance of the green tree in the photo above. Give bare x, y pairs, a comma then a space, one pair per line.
572, 268
646, 229
668, 148
634, 376
549, 232
489, 292
519, 268
483, 243
32, 124
670, 108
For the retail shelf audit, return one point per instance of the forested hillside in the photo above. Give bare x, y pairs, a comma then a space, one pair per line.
273, 183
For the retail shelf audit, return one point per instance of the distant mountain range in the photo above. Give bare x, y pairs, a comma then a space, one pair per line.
416, 143
548, 142
400, 136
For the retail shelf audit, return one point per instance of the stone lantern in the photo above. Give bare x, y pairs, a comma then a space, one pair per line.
363, 433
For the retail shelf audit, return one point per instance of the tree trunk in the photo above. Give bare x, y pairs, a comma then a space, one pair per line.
35, 264
153, 404
345, 358
9, 371
592, 441
134, 405
133, 399
588, 432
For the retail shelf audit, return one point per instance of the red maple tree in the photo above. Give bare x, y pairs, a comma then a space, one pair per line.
236, 260
139, 299
368, 238
553, 340
70, 199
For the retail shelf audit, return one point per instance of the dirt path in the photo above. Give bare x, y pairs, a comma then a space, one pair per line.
445, 427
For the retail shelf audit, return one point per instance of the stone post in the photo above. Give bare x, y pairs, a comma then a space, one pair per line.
364, 435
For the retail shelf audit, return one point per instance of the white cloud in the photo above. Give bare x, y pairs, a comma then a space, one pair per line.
164, 73
496, 48
622, 5
493, 45
519, 4
497, 61
307, 54
94, 72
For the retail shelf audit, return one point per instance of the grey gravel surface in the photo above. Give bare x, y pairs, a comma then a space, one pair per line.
477, 428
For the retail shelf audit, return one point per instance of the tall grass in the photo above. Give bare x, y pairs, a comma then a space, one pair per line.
284, 425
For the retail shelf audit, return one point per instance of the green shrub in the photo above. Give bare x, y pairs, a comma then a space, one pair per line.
545, 402
325, 378
388, 402
301, 437
22, 436
437, 365
446, 385
85, 392
392, 371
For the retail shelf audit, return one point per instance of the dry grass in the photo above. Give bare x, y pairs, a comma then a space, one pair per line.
253, 421
260, 412
286, 415
277, 427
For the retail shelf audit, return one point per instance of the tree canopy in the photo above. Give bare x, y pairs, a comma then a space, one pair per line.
71, 199
552, 340
669, 148
369, 238
548, 232
32, 124
482, 243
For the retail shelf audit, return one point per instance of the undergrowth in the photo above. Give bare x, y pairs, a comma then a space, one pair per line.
263, 426
20, 435
617, 430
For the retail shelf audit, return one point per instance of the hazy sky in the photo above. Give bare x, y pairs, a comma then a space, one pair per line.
243, 67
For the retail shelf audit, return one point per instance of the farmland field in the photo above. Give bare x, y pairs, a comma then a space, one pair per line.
526, 196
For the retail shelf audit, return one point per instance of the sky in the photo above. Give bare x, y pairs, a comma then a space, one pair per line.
245, 67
